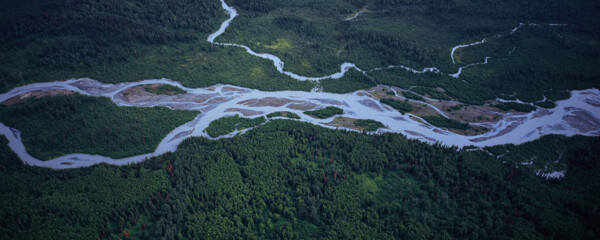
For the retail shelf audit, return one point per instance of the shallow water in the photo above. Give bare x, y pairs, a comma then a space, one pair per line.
576, 115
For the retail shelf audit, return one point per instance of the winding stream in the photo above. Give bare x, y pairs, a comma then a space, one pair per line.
276, 60
353, 17
579, 114
344, 67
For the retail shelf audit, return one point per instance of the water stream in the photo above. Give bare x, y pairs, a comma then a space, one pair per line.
579, 114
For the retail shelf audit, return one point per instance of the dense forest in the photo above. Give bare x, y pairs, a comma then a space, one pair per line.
124, 41
100, 202
54, 126
519, 107
288, 179
326, 112
312, 38
229, 124
352, 81
117, 41
401, 106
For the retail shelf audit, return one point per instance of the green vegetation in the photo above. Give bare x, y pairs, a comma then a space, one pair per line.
288, 179
368, 124
88, 203
402, 106
546, 104
55, 126
411, 95
327, 112
112, 42
226, 125
454, 108
313, 40
546, 154
462, 91
440, 121
519, 107
283, 114
353, 80
165, 89
431, 92
545, 62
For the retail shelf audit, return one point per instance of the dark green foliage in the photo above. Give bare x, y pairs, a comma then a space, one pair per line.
81, 34
54, 126
415, 33
87, 203
433, 93
275, 114
413, 96
288, 179
368, 124
546, 62
283, 114
546, 104
519, 107
440, 121
463, 92
547, 153
456, 107
113, 42
402, 106
119, 41
226, 125
507, 97
296, 180
352, 81
325, 112
420, 34
165, 89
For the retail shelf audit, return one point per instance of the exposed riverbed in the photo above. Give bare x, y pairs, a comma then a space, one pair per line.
577, 115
